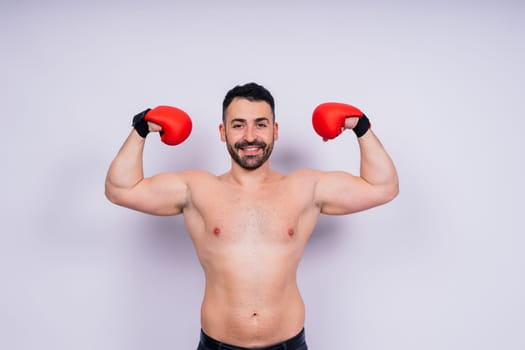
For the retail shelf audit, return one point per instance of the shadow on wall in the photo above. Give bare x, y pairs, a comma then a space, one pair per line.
286, 158
165, 237
329, 235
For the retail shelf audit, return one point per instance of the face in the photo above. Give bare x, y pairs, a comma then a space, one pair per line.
249, 132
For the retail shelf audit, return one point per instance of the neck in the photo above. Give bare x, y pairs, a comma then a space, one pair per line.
246, 177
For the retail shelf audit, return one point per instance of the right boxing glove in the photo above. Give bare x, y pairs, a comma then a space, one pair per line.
176, 124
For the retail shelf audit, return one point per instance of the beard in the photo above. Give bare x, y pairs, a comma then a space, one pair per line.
250, 162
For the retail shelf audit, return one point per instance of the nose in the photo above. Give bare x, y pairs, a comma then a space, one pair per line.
250, 134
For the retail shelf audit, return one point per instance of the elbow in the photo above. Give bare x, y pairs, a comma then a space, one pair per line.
391, 191
388, 192
395, 192
111, 194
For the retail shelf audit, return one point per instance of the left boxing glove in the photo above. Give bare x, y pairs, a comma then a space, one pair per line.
328, 119
176, 124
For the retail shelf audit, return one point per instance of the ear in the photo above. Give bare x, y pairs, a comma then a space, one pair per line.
222, 131
275, 131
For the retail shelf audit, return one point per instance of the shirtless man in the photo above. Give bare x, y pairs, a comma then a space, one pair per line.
251, 224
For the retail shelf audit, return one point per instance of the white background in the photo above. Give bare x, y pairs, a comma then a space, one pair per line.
440, 267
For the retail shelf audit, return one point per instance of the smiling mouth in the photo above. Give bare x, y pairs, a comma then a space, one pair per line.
250, 150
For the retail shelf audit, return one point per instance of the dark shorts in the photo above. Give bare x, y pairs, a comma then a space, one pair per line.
296, 343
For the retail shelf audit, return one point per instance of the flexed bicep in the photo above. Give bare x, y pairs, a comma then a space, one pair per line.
125, 185
341, 193
162, 194
377, 183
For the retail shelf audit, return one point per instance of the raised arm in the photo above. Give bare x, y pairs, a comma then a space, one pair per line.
340, 192
162, 194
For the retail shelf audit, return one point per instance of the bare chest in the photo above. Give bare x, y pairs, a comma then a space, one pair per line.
271, 214
257, 215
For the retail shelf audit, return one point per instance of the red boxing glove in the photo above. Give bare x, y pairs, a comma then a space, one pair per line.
176, 124
329, 118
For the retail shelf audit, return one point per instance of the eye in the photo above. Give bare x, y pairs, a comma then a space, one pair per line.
262, 125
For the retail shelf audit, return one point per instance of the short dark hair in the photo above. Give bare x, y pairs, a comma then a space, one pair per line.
250, 91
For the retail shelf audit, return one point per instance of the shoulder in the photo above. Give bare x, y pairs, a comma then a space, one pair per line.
187, 177
198, 174
304, 176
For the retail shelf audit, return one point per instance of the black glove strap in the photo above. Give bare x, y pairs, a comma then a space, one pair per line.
362, 126
140, 124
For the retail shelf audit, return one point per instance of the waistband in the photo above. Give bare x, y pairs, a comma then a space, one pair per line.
289, 344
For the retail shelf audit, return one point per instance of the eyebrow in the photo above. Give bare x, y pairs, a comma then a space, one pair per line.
242, 120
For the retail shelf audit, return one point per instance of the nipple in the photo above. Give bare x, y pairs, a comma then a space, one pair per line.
216, 231
291, 232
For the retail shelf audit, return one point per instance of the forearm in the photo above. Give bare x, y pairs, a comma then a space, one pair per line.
126, 170
377, 168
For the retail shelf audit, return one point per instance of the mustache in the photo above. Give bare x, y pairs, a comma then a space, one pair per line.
243, 144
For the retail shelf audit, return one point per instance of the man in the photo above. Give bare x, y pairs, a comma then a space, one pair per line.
251, 224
